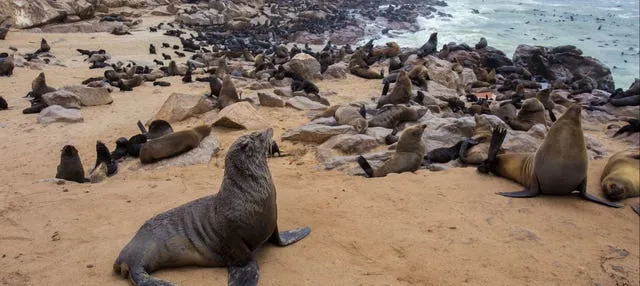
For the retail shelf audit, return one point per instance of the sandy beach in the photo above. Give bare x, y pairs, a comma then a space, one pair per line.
422, 228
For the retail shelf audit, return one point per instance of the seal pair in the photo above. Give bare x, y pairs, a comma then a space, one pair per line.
221, 230
558, 167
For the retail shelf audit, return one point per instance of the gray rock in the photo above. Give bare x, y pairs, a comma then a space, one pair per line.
441, 72
62, 98
90, 96
181, 106
270, 100
336, 71
303, 103
350, 143
329, 121
209, 147
468, 76
285, 92
304, 65
375, 159
379, 133
260, 85
622, 111
240, 115
438, 90
57, 113
286, 82
316, 133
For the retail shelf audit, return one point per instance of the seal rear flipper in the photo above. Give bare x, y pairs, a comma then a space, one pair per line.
526, 193
244, 276
288, 237
636, 209
140, 277
365, 166
595, 199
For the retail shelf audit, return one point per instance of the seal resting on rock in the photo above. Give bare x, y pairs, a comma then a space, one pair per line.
408, 157
389, 116
401, 92
38, 89
70, 167
173, 144
531, 113
221, 230
476, 154
347, 115
620, 177
558, 167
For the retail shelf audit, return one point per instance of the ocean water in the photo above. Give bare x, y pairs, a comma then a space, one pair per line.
506, 24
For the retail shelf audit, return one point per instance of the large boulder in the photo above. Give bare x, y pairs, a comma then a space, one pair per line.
270, 100
80, 27
62, 98
57, 113
441, 72
305, 66
437, 90
181, 106
240, 115
316, 133
493, 58
336, 71
563, 63
90, 96
304, 103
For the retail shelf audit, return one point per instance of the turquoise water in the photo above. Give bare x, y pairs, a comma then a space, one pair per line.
505, 24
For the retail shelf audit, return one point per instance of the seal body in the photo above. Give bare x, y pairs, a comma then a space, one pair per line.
228, 93
391, 115
70, 167
621, 176
220, 230
401, 92
173, 144
408, 157
350, 115
531, 113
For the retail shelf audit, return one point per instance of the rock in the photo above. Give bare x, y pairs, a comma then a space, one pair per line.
286, 82
346, 144
336, 71
375, 159
562, 63
316, 133
240, 115
446, 132
347, 35
270, 100
304, 65
285, 92
622, 111
329, 121
80, 27
260, 85
520, 233
303, 103
493, 58
437, 90
441, 72
312, 15
379, 133
209, 147
468, 76
181, 106
57, 113
90, 96
62, 98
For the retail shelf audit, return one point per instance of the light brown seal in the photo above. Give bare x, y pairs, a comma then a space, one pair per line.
173, 144
389, 116
481, 134
408, 157
531, 113
621, 176
558, 167
401, 92
347, 115
221, 230
228, 93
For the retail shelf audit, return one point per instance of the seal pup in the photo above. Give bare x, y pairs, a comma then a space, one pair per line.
44, 47
633, 126
446, 154
408, 157
221, 230
544, 96
70, 167
401, 92
558, 167
305, 85
621, 176
6, 66
173, 144
121, 149
531, 113
482, 133
152, 49
228, 94
103, 156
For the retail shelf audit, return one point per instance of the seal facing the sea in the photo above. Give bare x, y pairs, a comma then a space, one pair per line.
558, 167
221, 230
70, 167
173, 144
620, 179
408, 157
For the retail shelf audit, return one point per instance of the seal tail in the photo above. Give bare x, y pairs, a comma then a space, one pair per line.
368, 170
496, 142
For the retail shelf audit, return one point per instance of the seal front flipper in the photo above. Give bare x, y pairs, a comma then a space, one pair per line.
526, 193
244, 275
365, 166
552, 116
288, 237
636, 209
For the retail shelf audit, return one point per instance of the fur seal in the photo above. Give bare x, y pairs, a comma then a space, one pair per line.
544, 96
401, 92
221, 230
159, 128
38, 88
408, 157
390, 50
430, 47
347, 115
103, 156
7, 66
121, 149
633, 126
419, 75
531, 113
135, 143
359, 67
389, 116
478, 153
3, 104
161, 83
4, 30
44, 47
70, 167
558, 167
446, 154
620, 179
305, 85
173, 144
228, 94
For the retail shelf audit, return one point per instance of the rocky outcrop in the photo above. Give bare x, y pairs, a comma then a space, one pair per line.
316, 133
90, 96
57, 113
62, 98
240, 115
180, 106
305, 66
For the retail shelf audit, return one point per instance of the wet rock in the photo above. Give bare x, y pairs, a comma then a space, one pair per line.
240, 115
316, 133
57, 113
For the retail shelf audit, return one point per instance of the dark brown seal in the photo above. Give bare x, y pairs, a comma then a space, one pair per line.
38, 88
70, 167
390, 116
7, 66
558, 167
221, 230
408, 157
173, 144
621, 176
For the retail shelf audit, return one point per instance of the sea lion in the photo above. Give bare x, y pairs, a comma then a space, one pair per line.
478, 153
430, 47
389, 116
446, 154
620, 178
173, 144
135, 143
158, 128
221, 230
531, 113
408, 157
121, 149
7, 66
228, 94
38, 89
103, 156
3, 104
70, 167
401, 92
348, 115
633, 126
544, 96
558, 167
44, 47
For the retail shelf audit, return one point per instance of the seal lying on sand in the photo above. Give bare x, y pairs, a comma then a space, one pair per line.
70, 167
408, 157
621, 176
220, 230
558, 167
173, 144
